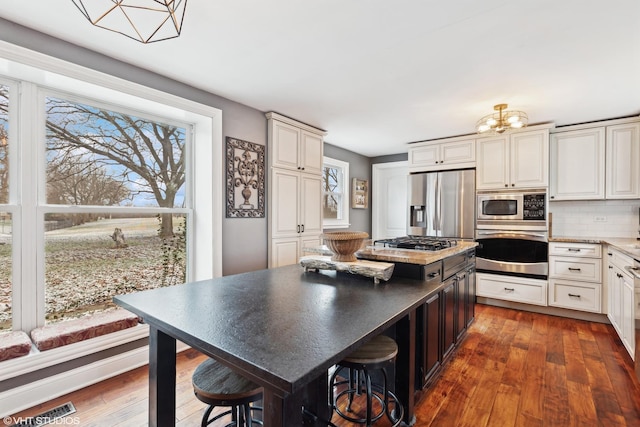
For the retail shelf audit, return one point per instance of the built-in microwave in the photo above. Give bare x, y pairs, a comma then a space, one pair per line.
512, 210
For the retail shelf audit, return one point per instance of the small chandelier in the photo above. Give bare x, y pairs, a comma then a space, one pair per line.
502, 120
146, 21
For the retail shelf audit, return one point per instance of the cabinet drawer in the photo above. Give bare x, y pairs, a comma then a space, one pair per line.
530, 291
589, 250
575, 295
586, 269
617, 258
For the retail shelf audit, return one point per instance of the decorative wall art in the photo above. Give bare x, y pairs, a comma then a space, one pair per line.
245, 179
360, 194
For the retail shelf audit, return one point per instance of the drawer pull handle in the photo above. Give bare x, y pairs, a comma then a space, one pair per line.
574, 250
509, 289
574, 295
573, 269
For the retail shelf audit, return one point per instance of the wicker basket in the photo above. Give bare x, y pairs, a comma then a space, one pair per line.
344, 244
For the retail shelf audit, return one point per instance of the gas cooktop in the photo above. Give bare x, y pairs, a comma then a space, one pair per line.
422, 243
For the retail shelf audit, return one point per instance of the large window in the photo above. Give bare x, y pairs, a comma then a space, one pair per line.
97, 157
96, 186
335, 193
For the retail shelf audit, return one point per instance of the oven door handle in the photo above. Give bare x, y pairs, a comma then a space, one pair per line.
510, 234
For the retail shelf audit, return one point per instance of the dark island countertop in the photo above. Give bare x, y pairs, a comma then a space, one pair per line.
281, 327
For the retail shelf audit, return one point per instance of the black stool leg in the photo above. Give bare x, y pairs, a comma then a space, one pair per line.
205, 417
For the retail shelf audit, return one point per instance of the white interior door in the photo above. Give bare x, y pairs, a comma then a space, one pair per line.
389, 200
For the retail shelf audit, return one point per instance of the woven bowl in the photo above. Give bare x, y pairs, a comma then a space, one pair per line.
344, 244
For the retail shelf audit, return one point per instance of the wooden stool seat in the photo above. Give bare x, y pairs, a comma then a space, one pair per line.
217, 385
378, 350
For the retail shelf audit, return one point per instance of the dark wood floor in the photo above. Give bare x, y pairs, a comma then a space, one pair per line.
513, 369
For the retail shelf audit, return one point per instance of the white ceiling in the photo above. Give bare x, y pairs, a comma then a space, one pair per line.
377, 74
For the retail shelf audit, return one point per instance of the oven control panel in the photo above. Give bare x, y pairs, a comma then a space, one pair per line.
534, 207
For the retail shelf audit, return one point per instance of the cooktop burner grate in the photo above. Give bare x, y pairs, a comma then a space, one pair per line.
422, 243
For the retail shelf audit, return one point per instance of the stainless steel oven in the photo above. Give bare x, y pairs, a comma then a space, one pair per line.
513, 253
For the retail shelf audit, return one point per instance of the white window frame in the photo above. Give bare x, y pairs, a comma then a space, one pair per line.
343, 222
35, 72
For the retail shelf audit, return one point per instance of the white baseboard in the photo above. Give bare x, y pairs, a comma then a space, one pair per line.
29, 395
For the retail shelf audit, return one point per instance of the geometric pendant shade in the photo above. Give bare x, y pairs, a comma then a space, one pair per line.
146, 21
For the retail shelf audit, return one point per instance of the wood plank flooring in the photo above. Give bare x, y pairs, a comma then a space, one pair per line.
513, 369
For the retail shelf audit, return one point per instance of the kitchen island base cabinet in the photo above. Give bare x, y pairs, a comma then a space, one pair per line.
444, 318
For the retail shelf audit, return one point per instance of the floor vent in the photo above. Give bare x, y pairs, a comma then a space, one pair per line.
48, 417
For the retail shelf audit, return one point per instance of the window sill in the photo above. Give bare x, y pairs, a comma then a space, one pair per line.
37, 360
328, 226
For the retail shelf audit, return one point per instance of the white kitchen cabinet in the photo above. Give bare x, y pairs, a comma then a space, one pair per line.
294, 190
575, 276
438, 155
577, 164
623, 161
518, 289
621, 306
293, 147
596, 163
517, 160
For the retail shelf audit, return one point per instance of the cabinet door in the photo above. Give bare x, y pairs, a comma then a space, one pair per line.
285, 146
284, 203
628, 315
452, 153
284, 252
425, 157
529, 159
311, 150
310, 204
448, 305
492, 163
615, 299
577, 160
461, 298
431, 340
623, 161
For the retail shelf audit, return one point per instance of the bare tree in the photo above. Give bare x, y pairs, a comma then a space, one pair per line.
147, 156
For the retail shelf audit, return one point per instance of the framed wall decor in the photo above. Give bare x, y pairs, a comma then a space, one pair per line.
245, 179
360, 194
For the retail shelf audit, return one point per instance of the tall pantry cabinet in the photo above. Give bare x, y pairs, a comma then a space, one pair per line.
295, 153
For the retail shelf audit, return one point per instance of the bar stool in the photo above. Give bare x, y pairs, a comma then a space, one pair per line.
373, 355
217, 385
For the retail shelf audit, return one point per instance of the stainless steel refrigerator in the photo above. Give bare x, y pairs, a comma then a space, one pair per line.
442, 204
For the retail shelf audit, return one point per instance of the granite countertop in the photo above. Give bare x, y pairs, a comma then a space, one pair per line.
411, 256
627, 245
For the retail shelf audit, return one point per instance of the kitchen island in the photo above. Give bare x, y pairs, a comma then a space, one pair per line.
282, 328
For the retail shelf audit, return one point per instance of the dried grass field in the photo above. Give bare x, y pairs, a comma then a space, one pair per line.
84, 269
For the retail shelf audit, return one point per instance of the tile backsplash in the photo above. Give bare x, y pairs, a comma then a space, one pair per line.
595, 218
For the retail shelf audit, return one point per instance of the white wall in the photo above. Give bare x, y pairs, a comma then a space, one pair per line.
595, 218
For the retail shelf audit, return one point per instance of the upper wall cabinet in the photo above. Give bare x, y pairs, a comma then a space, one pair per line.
622, 159
517, 160
596, 163
295, 148
440, 155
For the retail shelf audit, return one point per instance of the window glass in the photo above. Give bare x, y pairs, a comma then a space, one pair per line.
5, 272
332, 192
4, 144
97, 158
335, 193
90, 258
100, 157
